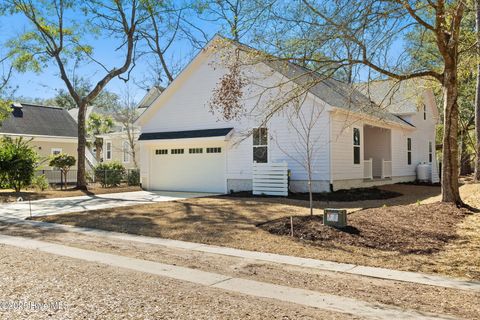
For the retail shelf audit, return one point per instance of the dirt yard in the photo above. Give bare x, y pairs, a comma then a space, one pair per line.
7, 195
436, 241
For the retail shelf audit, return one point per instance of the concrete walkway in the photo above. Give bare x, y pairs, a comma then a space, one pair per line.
22, 210
380, 273
238, 285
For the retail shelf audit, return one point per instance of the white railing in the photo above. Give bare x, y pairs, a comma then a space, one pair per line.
91, 159
270, 179
386, 169
368, 169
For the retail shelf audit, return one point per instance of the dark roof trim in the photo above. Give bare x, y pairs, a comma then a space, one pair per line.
205, 133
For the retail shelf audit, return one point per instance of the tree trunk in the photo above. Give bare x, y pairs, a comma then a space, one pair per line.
450, 191
82, 142
477, 97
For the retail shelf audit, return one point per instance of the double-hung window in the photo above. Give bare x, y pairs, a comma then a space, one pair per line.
260, 145
409, 151
356, 146
430, 151
126, 152
108, 150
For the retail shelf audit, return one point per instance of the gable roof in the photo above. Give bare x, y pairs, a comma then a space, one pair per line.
397, 97
335, 93
30, 119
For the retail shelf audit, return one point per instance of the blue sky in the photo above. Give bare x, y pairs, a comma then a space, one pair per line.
45, 83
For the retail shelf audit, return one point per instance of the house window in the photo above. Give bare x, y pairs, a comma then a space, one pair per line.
161, 151
409, 151
195, 150
108, 150
260, 145
214, 150
356, 146
430, 151
424, 112
126, 152
177, 151
56, 151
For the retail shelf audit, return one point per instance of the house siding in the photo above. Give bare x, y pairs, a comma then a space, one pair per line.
187, 108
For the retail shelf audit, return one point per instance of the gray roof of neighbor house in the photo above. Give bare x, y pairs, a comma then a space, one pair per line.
396, 97
30, 119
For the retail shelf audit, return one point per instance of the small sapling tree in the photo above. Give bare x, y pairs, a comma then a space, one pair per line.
63, 162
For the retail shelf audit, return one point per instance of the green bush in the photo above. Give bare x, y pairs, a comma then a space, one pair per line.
18, 161
63, 162
40, 182
133, 178
109, 174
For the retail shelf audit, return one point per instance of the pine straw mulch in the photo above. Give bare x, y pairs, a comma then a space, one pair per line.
410, 229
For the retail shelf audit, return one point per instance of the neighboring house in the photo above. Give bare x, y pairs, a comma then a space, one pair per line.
115, 144
50, 129
185, 146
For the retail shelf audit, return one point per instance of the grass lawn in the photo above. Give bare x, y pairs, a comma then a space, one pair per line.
410, 232
8, 195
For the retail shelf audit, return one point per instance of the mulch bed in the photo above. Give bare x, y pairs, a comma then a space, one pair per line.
359, 194
417, 229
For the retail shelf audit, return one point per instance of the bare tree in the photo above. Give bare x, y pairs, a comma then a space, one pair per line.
239, 17
55, 38
303, 120
126, 113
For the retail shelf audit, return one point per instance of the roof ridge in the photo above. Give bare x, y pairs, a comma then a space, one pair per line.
40, 106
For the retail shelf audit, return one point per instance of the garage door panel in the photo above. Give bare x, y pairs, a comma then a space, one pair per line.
200, 172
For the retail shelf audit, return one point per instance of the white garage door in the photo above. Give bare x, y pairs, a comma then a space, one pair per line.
200, 169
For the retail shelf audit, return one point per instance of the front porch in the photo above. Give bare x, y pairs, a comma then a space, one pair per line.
377, 153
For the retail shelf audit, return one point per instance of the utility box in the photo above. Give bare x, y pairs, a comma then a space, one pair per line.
335, 217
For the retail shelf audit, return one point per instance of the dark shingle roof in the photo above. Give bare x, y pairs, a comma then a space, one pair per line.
40, 120
205, 133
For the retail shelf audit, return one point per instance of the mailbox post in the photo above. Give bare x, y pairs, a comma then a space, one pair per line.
335, 217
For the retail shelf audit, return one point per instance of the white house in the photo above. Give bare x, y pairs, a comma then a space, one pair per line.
184, 146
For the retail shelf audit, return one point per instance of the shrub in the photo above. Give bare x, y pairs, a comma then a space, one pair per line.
18, 161
133, 178
109, 174
40, 182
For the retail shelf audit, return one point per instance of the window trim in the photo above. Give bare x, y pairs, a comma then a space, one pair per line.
126, 149
261, 145
409, 151
359, 146
108, 150
53, 150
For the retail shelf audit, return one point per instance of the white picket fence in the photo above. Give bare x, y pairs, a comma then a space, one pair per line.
386, 169
368, 169
270, 179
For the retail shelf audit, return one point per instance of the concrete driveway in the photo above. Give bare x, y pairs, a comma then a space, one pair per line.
22, 210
